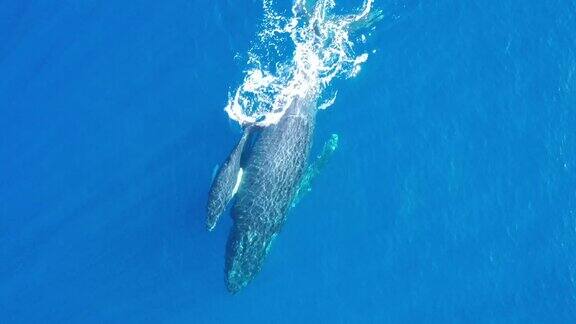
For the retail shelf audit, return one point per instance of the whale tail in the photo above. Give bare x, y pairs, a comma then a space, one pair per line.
225, 183
249, 247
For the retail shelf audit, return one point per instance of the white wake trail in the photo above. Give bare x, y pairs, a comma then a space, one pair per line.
296, 56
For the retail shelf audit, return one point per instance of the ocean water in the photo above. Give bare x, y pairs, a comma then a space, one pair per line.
450, 199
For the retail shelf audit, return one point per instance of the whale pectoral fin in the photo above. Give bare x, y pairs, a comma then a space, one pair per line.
225, 184
304, 187
214, 171
315, 167
238, 181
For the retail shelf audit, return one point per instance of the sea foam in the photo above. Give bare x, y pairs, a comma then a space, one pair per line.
298, 56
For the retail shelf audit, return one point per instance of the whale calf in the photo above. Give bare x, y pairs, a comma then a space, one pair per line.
224, 184
273, 166
267, 173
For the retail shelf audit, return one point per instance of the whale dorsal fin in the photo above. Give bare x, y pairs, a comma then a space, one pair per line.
315, 167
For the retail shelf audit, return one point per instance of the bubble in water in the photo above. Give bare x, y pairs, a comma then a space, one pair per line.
297, 56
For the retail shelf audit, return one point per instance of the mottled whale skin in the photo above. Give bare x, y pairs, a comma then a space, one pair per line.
223, 185
273, 172
273, 167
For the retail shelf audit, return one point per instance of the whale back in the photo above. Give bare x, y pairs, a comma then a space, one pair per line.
273, 171
224, 183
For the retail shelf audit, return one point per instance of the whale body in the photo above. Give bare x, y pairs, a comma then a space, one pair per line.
224, 183
273, 165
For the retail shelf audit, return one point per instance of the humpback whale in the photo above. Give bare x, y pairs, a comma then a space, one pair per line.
225, 184
267, 173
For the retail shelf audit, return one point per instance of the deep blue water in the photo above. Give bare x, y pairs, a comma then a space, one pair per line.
452, 196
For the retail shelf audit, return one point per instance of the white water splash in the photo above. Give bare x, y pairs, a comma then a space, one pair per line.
321, 50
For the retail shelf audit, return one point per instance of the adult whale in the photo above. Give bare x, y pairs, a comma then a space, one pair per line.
266, 169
